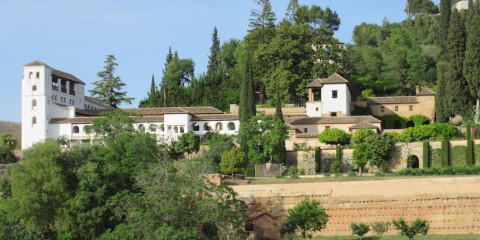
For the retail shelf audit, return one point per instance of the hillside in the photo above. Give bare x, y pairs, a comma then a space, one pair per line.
11, 127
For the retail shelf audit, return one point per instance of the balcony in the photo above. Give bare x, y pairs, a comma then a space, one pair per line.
72, 92
64, 90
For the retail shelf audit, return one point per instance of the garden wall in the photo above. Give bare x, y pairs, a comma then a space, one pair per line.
451, 205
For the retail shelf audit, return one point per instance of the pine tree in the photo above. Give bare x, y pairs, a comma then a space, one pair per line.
471, 68
247, 107
291, 10
263, 21
456, 95
108, 89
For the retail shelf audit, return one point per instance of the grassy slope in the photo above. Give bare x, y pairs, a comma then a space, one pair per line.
13, 128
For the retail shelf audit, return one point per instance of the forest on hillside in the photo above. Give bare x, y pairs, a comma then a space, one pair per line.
433, 47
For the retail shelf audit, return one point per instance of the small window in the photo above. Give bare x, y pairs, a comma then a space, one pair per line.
34, 120
334, 94
75, 129
219, 127
305, 130
396, 108
34, 88
34, 104
37, 75
316, 109
141, 127
30, 75
382, 109
195, 127
410, 108
327, 127
206, 127
333, 114
231, 126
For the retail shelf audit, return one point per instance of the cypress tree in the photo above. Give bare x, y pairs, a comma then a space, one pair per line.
247, 107
163, 85
426, 154
153, 98
444, 22
214, 58
471, 67
445, 153
470, 153
456, 85
279, 150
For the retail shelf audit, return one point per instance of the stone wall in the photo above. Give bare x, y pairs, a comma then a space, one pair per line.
451, 205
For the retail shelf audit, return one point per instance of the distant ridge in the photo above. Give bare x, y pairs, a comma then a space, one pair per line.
14, 128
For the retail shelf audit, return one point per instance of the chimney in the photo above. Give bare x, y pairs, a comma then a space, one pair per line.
417, 89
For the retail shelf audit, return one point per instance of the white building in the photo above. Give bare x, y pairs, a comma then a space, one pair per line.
54, 105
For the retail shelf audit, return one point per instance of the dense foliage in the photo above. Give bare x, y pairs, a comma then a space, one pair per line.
417, 226
233, 161
334, 136
462, 170
7, 144
375, 150
432, 131
360, 229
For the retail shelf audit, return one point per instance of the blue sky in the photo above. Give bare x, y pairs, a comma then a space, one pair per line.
75, 35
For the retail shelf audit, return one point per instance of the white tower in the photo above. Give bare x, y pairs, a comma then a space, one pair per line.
47, 93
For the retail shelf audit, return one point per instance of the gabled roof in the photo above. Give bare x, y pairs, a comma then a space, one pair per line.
55, 72
334, 78
426, 92
392, 100
163, 110
332, 120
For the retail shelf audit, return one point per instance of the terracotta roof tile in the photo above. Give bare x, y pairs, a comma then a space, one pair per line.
210, 117
426, 92
334, 78
332, 120
392, 100
363, 124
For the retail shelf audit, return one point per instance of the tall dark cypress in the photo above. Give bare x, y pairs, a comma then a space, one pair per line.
247, 108
471, 66
457, 94
279, 150
214, 58
163, 94
444, 22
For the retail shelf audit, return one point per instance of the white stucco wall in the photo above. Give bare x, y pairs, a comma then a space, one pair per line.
339, 104
314, 109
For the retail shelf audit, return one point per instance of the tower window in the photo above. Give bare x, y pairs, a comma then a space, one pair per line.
396, 108
38, 75
410, 108
382, 109
34, 104
34, 121
34, 88
30, 75
334, 94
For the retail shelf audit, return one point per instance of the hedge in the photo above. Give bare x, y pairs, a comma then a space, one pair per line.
445, 154
426, 154
250, 172
458, 156
476, 150
470, 161
318, 160
463, 170
436, 159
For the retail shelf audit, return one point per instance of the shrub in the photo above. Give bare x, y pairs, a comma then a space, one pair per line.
419, 120
374, 150
318, 160
361, 111
394, 135
418, 226
334, 136
426, 154
380, 227
432, 131
233, 161
336, 166
459, 156
462, 170
445, 153
390, 119
352, 174
469, 154
302, 171
360, 229
292, 170
360, 135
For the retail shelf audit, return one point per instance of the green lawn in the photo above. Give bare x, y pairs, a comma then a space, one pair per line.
398, 237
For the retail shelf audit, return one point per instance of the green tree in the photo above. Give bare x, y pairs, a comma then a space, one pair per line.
308, 215
153, 96
471, 65
218, 144
39, 186
291, 10
380, 227
163, 93
108, 89
361, 134
233, 161
444, 22
334, 136
418, 226
247, 107
374, 149
188, 143
415, 7
263, 21
279, 153
214, 58
458, 102
360, 229
262, 133
7, 144
178, 74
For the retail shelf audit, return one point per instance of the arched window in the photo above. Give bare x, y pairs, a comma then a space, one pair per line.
34, 88
141, 127
195, 127
162, 128
30, 75
34, 120
206, 127
219, 127
37, 75
182, 129
34, 104
75, 129
152, 128
231, 126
